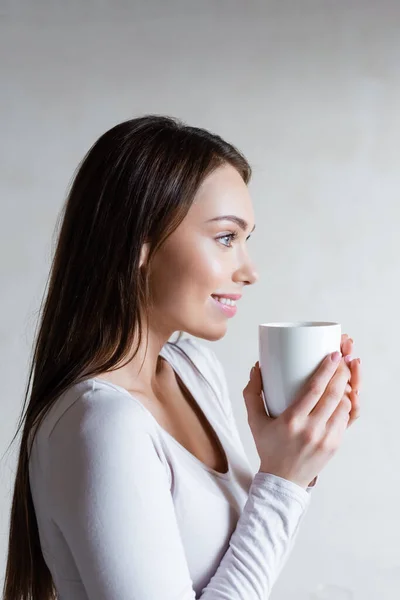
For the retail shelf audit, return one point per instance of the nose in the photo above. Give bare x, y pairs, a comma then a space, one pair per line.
247, 273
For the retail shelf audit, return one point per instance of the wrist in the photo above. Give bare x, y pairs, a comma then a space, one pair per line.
267, 471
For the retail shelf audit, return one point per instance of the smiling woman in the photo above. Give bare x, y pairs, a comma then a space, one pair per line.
132, 481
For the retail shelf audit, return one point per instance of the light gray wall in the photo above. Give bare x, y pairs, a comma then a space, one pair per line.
310, 91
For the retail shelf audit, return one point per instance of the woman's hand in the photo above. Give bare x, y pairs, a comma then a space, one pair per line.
290, 438
297, 444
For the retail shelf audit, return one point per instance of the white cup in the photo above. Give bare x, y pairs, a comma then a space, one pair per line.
289, 353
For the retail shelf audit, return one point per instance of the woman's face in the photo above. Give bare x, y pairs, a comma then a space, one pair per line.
205, 257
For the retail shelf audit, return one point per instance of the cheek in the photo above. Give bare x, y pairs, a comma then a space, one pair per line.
203, 269
189, 270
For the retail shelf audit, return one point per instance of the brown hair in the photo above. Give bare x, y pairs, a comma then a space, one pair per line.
135, 184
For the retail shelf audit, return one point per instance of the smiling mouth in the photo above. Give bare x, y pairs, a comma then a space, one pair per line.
224, 301
227, 306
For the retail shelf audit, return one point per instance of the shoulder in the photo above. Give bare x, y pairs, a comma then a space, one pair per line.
102, 424
94, 408
100, 448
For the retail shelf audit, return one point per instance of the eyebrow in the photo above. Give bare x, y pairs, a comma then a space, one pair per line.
239, 221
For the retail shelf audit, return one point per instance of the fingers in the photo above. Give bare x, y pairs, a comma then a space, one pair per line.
340, 418
252, 394
346, 345
347, 349
315, 387
347, 410
355, 380
355, 411
333, 394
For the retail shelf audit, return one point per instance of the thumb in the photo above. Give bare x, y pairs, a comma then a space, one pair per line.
252, 395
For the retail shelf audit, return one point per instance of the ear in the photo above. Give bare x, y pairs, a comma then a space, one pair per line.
144, 253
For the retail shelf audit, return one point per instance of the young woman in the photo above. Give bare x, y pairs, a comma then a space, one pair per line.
132, 481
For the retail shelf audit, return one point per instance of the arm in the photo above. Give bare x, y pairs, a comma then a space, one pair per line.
210, 362
112, 502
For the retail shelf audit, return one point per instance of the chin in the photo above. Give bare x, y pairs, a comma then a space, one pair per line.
211, 334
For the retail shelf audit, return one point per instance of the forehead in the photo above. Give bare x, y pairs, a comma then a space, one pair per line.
222, 192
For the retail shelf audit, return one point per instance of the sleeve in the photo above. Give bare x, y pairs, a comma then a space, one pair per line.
112, 502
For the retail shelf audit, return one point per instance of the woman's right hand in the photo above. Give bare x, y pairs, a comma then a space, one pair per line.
297, 444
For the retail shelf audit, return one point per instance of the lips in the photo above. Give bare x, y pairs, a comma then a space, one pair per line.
227, 309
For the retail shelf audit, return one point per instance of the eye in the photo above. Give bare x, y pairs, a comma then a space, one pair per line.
229, 236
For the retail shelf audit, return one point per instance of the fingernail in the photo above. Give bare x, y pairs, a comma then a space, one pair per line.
336, 357
348, 358
359, 361
252, 371
351, 340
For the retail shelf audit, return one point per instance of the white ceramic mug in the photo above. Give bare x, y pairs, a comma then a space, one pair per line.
289, 353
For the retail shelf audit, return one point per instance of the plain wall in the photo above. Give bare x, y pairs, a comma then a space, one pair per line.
310, 92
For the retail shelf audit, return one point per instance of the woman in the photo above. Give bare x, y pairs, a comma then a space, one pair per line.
135, 483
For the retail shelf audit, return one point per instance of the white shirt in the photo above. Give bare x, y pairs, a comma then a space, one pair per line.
125, 512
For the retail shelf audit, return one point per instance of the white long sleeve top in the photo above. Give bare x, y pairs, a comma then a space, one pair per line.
125, 512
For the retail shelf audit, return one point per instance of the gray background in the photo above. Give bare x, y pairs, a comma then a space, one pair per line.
310, 91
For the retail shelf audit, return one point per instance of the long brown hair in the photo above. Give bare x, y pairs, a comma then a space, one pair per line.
135, 184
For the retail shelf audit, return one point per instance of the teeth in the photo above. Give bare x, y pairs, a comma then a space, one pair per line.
227, 301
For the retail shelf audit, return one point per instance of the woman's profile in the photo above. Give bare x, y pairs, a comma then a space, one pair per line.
132, 480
